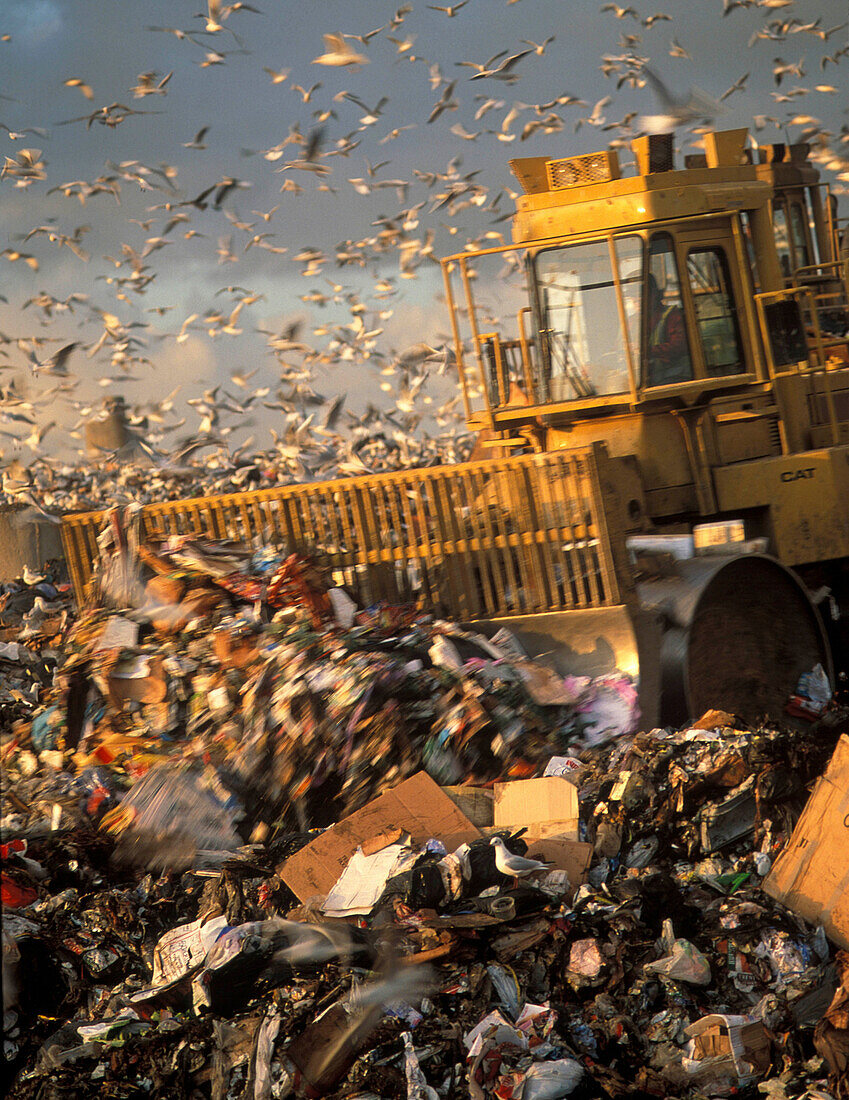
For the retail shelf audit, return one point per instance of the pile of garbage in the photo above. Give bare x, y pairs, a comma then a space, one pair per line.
35, 612
258, 842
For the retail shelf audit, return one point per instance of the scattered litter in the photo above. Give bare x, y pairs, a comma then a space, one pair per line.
258, 841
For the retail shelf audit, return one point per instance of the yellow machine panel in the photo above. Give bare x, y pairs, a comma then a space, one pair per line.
806, 496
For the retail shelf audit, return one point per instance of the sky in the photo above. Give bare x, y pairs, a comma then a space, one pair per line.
194, 198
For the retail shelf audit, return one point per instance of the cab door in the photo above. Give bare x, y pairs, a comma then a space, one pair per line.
718, 295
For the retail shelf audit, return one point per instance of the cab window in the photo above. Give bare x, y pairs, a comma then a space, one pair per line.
716, 311
800, 239
746, 226
782, 241
666, 355
808, 211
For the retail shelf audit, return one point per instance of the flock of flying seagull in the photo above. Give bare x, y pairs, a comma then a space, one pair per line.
360, 281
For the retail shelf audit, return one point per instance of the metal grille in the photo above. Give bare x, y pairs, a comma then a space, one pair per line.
661, 153
507, 536
774, 430
574, 171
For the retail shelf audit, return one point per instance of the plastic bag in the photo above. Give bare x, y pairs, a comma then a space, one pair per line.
684, 963
417, 1086
440, 761
551, 1080
788, 958
585, 958
170, 815
814, 685
11, 962
506, 985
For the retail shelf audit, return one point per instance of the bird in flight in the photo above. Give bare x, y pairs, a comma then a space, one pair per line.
78, 82
676, 111
339, 53
110, 116
449, 11
501, 71
620, 13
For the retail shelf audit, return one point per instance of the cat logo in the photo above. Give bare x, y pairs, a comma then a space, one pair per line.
795, 475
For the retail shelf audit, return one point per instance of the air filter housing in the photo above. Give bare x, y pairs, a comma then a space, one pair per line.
580, 171
654, 153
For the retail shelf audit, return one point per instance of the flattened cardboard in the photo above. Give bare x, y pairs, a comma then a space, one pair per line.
544, 686
475, 802
234, 651
525, 801
714, 720
326, 1050
571, 856
165, 589
811, 876
378, 843
417, 805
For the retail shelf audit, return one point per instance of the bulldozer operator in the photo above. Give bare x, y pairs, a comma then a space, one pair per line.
668, 353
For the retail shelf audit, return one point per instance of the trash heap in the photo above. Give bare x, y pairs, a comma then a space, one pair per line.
258, 842
34, 615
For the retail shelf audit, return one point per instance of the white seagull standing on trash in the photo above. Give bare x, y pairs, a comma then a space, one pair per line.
516, 866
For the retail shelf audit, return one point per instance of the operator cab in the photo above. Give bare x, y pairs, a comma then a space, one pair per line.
613, 315
660, 290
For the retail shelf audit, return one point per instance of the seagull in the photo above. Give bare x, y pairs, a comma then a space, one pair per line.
502, 71
339, 53
31, 578
620, 13
676, 111
450, 11
78, 82
147, 84
515, 866
677, 50
737, 86
56, 364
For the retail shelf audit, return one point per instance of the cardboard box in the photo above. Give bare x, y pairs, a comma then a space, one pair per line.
417, 805
528, 801
475, 802
811, 875
565, 830
165, 589
732, 1046
539, 830
147, 684
234, 650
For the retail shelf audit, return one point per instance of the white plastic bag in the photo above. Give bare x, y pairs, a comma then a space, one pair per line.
683, 963
551, 1080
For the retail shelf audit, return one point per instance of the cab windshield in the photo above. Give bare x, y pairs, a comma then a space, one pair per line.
587, 333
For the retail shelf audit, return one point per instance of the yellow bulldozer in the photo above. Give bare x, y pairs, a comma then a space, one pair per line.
658, 370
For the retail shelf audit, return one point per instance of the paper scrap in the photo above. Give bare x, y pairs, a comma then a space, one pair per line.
360, 885
119, 633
